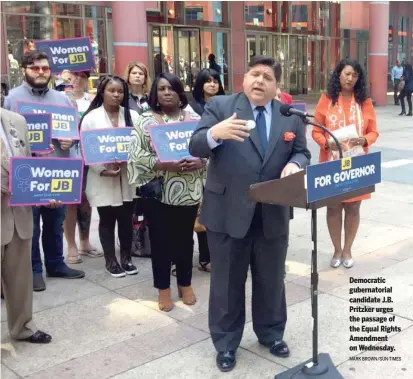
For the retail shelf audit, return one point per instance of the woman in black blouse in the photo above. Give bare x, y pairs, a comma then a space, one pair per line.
139, 83
208, 84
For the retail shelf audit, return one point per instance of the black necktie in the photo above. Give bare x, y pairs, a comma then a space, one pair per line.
262, 127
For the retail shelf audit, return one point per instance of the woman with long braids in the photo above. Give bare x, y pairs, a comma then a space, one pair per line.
176, 191
107, 185
345, 104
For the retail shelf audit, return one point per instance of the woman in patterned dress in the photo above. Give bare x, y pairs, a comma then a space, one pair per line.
171, 217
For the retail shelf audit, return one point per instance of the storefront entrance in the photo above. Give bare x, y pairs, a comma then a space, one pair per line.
185, 52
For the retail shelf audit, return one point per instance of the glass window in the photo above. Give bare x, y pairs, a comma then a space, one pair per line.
254, 12
402, 40
194, 13
92, 11
23, 30
36, 7
96, 31
162, 50
299, 16
62, 9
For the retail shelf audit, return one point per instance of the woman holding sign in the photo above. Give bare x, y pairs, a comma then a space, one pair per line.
80, 214
173, 191
107, 185
345, 109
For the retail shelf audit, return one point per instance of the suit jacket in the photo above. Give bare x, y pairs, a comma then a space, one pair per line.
234, 166
11, 217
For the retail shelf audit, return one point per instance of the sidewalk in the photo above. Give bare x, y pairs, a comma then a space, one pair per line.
104, 327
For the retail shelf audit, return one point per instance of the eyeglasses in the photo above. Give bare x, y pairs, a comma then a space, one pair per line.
36, 69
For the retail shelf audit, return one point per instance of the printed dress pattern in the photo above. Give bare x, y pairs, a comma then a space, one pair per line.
178, 188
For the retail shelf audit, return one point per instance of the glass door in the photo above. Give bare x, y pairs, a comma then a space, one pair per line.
298, 65
187, 56
257, 44
281, 56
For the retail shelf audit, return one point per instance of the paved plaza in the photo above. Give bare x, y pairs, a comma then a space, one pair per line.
104, 327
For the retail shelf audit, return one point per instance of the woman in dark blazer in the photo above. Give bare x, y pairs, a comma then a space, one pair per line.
407, 90
208, 84
139, 83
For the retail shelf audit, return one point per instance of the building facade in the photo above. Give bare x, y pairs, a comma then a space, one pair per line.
308, 38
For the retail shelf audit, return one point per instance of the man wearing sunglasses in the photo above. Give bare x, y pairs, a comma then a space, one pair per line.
34, 88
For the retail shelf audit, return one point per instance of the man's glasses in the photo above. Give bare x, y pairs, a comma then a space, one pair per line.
36, 69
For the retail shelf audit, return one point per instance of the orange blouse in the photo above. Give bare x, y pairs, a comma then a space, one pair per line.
370, 132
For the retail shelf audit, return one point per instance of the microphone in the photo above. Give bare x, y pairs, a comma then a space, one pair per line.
288, 110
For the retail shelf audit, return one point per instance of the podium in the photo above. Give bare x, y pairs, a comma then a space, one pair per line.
317, 186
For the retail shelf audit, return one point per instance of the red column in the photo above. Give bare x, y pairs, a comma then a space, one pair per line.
130, 37
4, 49
378, 50
237, 44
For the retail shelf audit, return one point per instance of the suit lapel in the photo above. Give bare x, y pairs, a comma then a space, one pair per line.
244, 112
6, 122
275, 132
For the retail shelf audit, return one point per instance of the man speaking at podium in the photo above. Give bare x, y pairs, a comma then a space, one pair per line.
247, 141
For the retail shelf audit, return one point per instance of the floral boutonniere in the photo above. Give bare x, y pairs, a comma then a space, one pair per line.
289, 136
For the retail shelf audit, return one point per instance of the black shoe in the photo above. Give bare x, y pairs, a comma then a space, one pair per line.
65, 272
129, 268
402, 113
226, 361
115, 270
38, 283
279, 349
409, 114
39, 337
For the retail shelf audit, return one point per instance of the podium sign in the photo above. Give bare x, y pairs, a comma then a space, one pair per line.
335, 178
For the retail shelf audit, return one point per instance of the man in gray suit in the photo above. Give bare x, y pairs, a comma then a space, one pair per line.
16, 235
247, 141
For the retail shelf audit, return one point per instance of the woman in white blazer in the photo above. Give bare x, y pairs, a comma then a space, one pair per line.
107, 186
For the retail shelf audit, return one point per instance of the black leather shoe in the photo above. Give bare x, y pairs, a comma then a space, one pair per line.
280, 349
65, 272
39, 337
38, 283
226, 361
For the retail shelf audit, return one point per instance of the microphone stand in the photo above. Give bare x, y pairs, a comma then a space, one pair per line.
320, 366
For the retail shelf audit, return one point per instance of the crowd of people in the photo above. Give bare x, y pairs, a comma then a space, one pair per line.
233, 232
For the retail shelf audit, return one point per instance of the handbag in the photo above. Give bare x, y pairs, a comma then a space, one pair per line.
141, 244
401, 85
151, 190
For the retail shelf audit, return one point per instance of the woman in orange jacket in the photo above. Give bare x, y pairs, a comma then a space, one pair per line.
345, 104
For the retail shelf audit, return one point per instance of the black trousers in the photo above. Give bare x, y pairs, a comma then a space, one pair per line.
230, 260
396, 91
171, 231
108, 216
203, 247
408, 95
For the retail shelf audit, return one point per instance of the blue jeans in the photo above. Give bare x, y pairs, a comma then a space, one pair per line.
52, 238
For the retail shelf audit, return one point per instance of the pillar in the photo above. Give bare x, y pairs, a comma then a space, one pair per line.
378, 50
130, 36
237, 22
4, 59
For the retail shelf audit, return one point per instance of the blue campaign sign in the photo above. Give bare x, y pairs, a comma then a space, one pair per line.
39, 126
171, 141
36, 181
105, 145
74, 54
300, 106
64, 119
341, 176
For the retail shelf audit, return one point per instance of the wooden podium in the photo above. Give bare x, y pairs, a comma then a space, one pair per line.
293, 191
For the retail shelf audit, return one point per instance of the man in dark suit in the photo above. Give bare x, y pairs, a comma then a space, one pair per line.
242, 232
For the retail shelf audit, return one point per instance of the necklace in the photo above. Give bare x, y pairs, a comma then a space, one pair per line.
113, 117
166, 118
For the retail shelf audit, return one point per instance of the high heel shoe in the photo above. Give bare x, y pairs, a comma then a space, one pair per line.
187, 295
165, 302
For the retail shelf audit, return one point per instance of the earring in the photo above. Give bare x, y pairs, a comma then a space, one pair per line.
180, 104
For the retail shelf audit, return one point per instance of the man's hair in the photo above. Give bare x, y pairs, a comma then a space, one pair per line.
266, 61
31, 56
